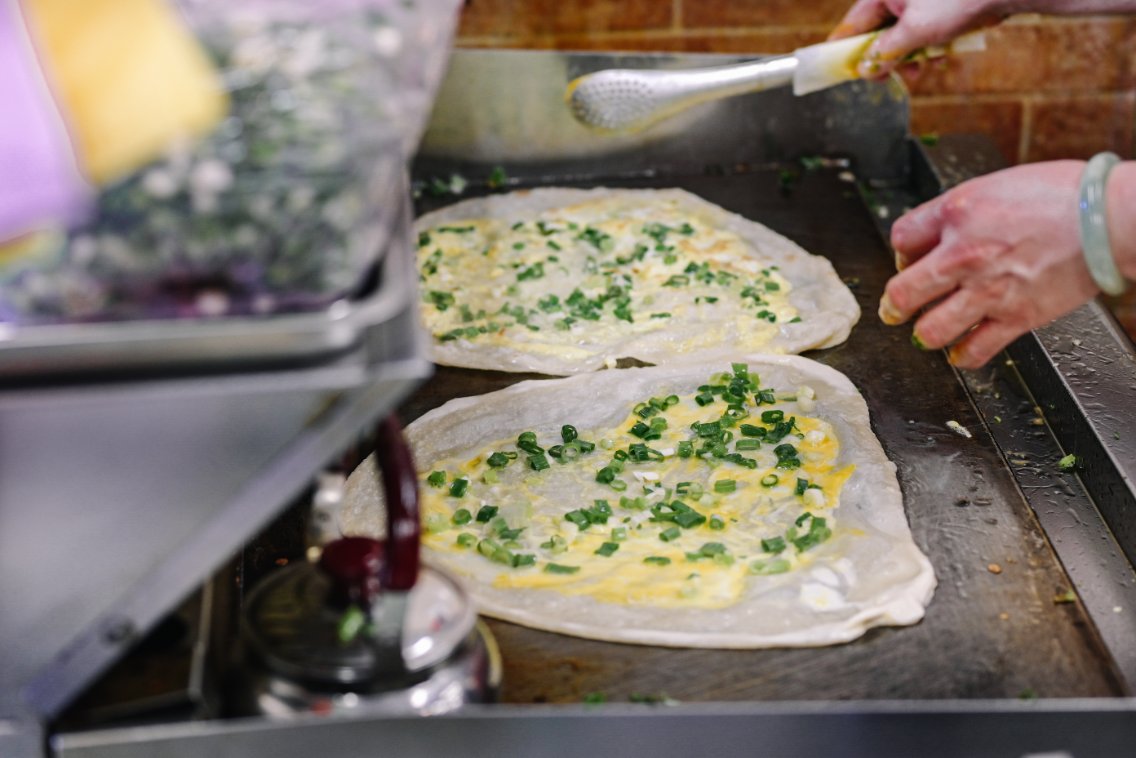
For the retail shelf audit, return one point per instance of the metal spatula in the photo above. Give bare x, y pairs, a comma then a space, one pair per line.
627, 99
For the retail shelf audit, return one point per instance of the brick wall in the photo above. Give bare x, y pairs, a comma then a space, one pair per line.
1046, 88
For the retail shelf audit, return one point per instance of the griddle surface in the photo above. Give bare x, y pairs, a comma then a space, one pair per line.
985, 635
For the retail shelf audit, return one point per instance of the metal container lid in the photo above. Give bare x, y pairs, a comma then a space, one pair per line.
315, 622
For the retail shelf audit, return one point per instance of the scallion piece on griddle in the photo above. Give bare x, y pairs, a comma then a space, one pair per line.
773, 545
768, 568
607, 549
351, 623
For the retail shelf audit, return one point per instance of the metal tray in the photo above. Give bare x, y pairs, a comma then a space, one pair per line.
127, 348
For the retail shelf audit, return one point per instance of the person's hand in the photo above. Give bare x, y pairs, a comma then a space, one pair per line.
918, 23
1001, 254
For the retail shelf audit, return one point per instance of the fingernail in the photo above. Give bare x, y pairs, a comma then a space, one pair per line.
918, 342
889, 314
868, 68
900, 261
955, 355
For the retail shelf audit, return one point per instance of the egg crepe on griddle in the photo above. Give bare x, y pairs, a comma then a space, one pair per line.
563, 281
746, 507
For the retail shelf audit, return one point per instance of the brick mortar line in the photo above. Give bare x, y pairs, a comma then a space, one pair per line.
1025, 138
987, 98
658, 33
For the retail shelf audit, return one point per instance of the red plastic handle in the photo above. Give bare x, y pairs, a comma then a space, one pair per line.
399, 571
353, 564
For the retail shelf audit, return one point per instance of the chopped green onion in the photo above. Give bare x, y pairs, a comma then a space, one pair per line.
527, 441
495, 552
579, 518
607, 549
770, 480
537, 462
441, 300
555, 544
351, 623
459, 487
673, 533
556, 568
689, 518
462, 516
787, 457
436, 478
768, 568
498, 460
523, 559
802, 485
693, 489
633, 503
535, 271
618, 534
486, 513
773, 545
465, 539
657, 560
747, 444
818, 533
640, 429
717, 524
725, 486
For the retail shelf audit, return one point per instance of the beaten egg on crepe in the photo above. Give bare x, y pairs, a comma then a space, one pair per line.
563, 281
746, 507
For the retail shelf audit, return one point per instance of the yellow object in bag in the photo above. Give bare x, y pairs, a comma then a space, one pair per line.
129, 78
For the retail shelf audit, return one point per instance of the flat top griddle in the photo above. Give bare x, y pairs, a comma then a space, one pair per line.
1000, 624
